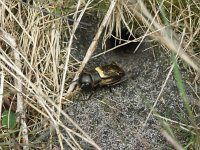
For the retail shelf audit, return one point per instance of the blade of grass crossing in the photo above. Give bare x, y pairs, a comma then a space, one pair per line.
182, 89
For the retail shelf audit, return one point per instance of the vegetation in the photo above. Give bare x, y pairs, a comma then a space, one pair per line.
38, 70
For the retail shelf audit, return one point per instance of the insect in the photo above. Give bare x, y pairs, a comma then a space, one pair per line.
101, 76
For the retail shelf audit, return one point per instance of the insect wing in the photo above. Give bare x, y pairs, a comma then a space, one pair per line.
110, 74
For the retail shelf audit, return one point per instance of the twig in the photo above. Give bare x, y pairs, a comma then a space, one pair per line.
92, 47
1, 92
9, 39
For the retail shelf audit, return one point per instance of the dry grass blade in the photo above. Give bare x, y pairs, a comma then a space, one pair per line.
1, 92
163, 35
92, 46
176, 122
39, 60
158, 97
40, 48
18, 84
68, 49
13, 16
172, 141
41, 98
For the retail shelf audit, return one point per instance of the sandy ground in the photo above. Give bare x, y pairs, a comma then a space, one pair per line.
114, 117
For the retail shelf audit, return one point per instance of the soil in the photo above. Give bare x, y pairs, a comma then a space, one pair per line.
114, 116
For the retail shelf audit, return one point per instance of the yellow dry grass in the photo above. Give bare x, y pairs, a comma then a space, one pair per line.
35, 33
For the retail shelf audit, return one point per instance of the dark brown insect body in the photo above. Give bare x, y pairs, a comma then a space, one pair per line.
102, 76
